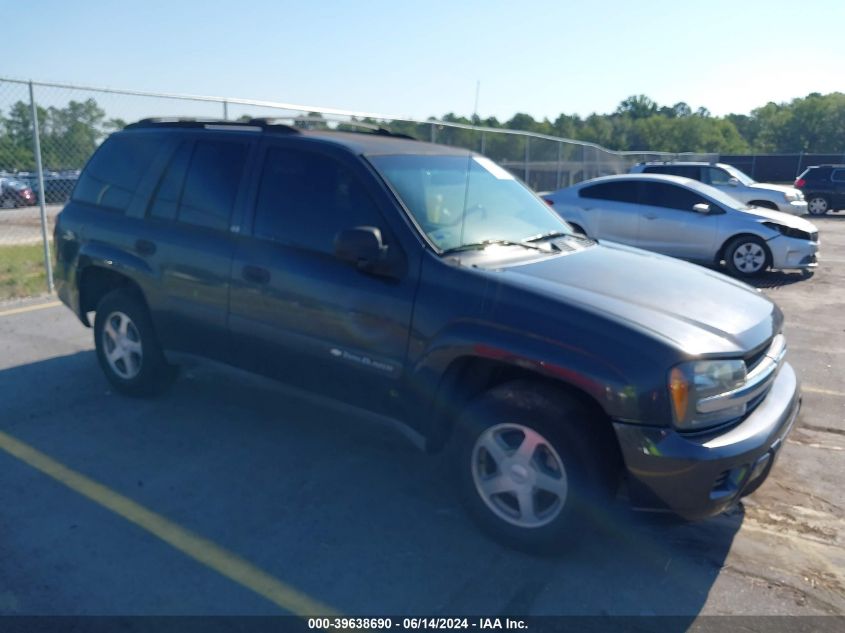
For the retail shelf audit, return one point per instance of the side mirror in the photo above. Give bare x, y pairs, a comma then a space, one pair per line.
701, 207
733, 182
362, 247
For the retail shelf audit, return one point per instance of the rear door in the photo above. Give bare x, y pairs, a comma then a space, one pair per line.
838, 197
186, 238
610, 210
670, 226
299, 314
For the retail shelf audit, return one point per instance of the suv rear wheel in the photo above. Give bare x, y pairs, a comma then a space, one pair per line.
818, 205
127, 348
529, 469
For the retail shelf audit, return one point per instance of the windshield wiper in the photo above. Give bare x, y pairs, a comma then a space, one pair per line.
546, 236
477, 246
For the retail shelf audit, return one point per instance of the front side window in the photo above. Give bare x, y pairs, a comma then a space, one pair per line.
305, 199
460, 200
716, 176
662, 194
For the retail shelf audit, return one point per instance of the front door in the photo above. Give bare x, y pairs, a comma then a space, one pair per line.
299, 314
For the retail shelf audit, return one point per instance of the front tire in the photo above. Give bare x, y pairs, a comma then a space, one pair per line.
530, 469
747, 256
127, 348
818, 205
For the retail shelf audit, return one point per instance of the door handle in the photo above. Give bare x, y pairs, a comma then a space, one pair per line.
650, 217
145, 247
256, 274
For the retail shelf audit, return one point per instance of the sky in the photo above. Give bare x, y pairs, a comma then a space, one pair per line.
421, 59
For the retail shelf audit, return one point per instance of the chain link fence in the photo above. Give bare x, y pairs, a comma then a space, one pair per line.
39, 164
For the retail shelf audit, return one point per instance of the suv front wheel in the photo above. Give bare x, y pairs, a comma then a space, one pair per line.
127, 348
529, 471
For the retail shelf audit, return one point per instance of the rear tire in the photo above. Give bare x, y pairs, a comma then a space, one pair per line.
127, 348
531, 471
817, 205
747, 256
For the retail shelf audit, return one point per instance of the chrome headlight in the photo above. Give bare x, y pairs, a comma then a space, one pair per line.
691, 382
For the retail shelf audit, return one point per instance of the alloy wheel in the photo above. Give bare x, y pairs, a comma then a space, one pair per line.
817, 205
519, 475
749, 257
122, 345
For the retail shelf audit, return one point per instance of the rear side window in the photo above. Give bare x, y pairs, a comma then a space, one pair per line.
200, 184
211, 184
111, 177
838, 175
662, 194
619, 191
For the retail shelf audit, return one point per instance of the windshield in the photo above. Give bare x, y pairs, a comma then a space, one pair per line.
462, 200
745, 179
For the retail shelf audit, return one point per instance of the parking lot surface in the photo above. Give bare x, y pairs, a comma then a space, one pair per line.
227, 496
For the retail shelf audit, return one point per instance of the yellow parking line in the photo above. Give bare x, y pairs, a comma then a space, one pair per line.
32, 308
200, 549
826, 392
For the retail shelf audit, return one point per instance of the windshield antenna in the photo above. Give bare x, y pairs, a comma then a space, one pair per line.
469, 158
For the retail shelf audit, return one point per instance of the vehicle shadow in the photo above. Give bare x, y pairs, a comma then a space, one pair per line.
340, 508
778, 278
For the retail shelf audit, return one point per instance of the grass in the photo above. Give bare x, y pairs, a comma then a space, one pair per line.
22, 271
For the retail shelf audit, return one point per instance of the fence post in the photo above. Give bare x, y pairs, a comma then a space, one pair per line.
36, 142
526, 169
432, 133
225, 110
559, 150
483, 144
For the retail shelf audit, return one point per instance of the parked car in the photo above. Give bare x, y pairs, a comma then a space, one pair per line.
733, 182
823, 187
426, 286
14, 193
684, 218
57, 187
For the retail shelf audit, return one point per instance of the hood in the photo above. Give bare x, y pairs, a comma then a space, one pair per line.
697, 310
786, 219
770, 187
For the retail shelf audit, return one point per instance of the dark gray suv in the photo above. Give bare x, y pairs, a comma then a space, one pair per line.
425, 285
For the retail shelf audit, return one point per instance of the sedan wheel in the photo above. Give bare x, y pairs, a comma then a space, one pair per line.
519, 475
746, 256
818, 205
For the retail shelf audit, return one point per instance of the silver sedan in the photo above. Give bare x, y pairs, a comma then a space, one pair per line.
685, 218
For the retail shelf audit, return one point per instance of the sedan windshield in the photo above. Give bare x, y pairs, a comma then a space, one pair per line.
467, 200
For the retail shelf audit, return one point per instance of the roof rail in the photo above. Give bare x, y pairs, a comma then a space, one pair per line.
194, 123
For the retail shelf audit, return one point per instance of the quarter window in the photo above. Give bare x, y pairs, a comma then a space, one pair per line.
111, 177
305, 199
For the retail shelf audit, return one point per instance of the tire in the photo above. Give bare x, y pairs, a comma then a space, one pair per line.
543, 499
817, 205
747, 256
127, 348
764, 204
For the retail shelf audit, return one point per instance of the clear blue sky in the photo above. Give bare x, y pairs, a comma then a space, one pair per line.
424, 58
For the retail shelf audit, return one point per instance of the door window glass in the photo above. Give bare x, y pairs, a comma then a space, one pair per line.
305, 199
211, 184
662, 194
618, 191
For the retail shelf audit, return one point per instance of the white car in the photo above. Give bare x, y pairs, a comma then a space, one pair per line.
684, 218
733, 182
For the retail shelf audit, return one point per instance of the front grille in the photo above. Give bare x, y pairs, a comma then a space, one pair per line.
753, 358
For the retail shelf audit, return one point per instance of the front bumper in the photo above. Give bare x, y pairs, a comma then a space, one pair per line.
701, 476
792, 253
798, 207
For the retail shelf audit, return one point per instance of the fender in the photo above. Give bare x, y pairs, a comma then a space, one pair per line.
603, 378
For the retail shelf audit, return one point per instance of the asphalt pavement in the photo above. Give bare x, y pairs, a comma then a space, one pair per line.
228, 496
